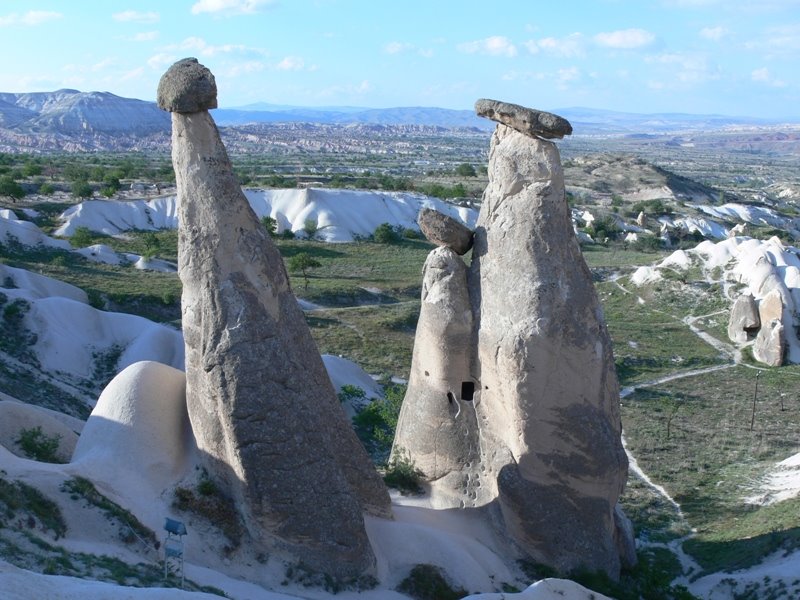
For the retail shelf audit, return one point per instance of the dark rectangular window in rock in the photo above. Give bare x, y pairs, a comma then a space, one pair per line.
467, 390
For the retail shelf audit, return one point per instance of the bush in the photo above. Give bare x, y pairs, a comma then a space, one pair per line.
82, 237
427, 582
351, 392
647, 243
604, 227
46, 189
38, 445
81, 189
402, 474
375, 423
386, 234
310, 227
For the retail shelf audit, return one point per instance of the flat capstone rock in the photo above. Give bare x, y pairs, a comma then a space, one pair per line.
187, 87
444, 231
531, 122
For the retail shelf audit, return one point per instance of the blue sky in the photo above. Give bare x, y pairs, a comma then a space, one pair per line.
734, 57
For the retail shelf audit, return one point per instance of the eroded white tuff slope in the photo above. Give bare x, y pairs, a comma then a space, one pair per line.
532, 425
262, 407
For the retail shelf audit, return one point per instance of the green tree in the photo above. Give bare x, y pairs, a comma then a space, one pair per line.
310, 227
465, 170
303, 262
152, 245
31, 169
11, 189
111, 181
270, 224
81, 189
46, 189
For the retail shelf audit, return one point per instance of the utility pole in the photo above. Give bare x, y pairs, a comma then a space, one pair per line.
755, 397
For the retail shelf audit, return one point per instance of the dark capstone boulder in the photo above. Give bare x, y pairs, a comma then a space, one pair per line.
531, 122
444, 231
187, 87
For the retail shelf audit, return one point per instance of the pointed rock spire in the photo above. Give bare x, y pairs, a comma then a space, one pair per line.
264, 413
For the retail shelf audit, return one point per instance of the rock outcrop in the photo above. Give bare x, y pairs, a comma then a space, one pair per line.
445, 231
539, 433
531, 122
437, 426
770, 344
771, 307
744, 321
262, 408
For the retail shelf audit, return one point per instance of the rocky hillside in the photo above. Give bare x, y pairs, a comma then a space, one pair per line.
71, 112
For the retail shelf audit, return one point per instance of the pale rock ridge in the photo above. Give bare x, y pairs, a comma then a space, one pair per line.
540, 436
262, 407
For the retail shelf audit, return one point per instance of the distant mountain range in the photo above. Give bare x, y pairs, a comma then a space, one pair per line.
70, 119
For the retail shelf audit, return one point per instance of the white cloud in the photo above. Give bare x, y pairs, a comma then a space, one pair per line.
691, 68
103, 64
346, 90
30, 18
244, 68
523, 75
625, 39
203, 48
144, 36
134, 74
161, 60
763, 75
397, 47
570, 46
136, 16
496, 45
230, 7
714, 34
291, 63
780, 41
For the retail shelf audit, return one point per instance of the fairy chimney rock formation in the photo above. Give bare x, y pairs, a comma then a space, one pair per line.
442, 230
744, 320
540, 436
264, 413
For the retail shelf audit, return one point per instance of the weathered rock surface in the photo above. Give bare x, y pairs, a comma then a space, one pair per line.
442, 230
549, 391
771, 307
187, 87
744, 321
541, 436
263, 410
436, 427
531, 122
770, 344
